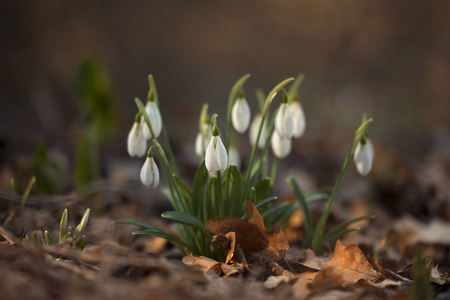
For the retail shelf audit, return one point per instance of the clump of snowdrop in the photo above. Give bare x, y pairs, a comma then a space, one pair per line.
240, 115
149, 171
284, 121
254, 131
136, 142
299, 117
216, 157
280, 147
155, 119
363, 156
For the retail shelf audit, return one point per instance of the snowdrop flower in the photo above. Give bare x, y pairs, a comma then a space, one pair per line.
240, 115
254, 131
155, 120
280, 147
216, 158
234, 157
299, 118
149, 171
136, 143
284, 121
363, 156
199, 146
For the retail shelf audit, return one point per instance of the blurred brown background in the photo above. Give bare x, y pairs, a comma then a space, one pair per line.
387, 58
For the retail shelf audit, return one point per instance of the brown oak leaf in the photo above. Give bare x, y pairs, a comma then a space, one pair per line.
252, 236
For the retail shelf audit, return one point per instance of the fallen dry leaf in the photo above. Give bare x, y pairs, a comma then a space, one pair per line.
351, 263
410, 231
252, 236
438, 278
204, 263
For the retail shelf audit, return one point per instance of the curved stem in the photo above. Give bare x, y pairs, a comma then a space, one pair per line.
326, 212
269, 99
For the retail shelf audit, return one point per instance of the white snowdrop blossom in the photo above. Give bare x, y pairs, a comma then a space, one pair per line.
136, 143
280, 147
199, 148
363, 157
254, 131
216, 158
299, 118
240, 115
155, 120
234, 157
150, 173
284, 122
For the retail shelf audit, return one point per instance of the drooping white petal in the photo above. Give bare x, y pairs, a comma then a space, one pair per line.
216, 158
199, 144
240, 115
234, 157
211, 157
363, 157
284, 122
147, 173
222, 157
280, 147
155, 174
199, 148
155, 120
136, 143
299, 119
254, 132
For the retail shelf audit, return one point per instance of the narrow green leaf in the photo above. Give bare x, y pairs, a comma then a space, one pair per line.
261, 97
160, 234
344, 224
28, 191
305, 210
295, 85
81, 243
274, 209
34, 239
339, 234
63, 225
265, 201
199, 189
48, 239
183, 218
316, 196
236, 190
83, 223
263, 189
139, 223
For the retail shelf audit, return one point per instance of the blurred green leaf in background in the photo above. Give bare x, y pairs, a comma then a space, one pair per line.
95, 91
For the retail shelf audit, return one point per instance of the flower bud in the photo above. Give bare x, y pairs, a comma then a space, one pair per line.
363, 156
254, 132
284, 122
216, 158
280, 147
155, 120
150, 173
136, 143
240, 115
299, 118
